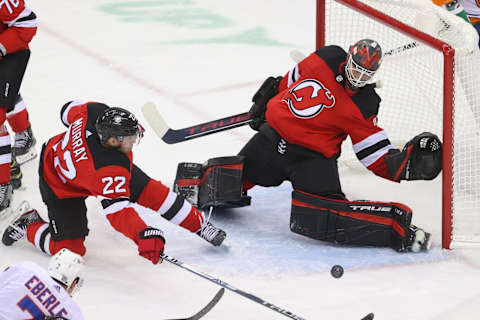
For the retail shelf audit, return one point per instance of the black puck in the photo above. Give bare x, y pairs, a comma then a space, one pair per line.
336, 271
369, 316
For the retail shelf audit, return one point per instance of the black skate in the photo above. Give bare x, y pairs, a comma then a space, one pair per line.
212, 234
6, 192
15, 174
24, 216
23, 149
418, 240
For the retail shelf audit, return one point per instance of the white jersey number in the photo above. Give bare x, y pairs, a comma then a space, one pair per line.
114, 184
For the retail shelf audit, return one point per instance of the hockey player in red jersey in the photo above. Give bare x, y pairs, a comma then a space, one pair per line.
18, 27
94, 158
303, 119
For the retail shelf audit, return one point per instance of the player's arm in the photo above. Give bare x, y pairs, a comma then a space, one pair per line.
420, 159
113, 189
371, 145
22, 26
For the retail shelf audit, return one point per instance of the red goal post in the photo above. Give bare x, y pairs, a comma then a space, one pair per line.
409, 31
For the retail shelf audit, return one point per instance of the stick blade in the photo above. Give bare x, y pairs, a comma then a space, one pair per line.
154, 119
207, 308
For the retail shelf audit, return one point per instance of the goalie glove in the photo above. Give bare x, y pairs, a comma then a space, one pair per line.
267, 90
420, 159
151, 243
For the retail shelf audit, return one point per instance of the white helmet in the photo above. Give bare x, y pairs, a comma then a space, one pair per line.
66, 266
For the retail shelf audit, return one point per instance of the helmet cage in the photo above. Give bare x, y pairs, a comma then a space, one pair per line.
357, 75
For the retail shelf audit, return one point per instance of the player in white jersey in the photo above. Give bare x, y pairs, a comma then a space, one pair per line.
472, 8
27, 291
466, 9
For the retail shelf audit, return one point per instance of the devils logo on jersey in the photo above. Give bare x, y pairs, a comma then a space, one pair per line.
308, 98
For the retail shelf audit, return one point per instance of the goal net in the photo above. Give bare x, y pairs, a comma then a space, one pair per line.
430, 81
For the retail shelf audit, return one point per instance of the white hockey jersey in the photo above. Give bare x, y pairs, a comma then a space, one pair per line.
28, 292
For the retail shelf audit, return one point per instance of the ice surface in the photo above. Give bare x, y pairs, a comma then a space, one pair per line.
201, 60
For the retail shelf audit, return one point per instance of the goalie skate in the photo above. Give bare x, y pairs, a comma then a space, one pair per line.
421, 240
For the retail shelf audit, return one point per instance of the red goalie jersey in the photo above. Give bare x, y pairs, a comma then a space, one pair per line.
314, 109
19, 25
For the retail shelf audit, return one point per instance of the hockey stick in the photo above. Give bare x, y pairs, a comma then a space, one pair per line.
298, 56
225, 285
170, 135
401, 49
207, 308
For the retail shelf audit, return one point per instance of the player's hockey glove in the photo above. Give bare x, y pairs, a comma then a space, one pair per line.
151, 244
420, 159
267, 90
54, 318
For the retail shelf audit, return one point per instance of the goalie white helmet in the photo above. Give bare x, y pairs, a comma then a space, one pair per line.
66, 267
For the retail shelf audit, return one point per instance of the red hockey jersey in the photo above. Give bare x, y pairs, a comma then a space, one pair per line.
314, 110
19, 25
77, 165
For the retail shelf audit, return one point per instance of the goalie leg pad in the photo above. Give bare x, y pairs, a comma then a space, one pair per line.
217, 183
187, 181
221, 183
349, 222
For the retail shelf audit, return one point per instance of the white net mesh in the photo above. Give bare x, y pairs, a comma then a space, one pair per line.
411, 78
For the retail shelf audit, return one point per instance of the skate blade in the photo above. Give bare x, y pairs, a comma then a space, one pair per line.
23, 207
8, 215
24, 158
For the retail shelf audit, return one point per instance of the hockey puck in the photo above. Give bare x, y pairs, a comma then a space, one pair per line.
336, 271
369, 316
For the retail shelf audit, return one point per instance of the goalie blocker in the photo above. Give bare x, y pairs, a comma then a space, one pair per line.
356, 222
217, 183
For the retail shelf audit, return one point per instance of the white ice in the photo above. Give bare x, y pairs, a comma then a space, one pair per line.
201, 60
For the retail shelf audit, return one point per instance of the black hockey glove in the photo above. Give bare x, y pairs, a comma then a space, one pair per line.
420, 159
54, 318
267, 90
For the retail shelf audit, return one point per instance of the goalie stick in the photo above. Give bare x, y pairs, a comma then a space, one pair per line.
170, 136
225, 285
207, 308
